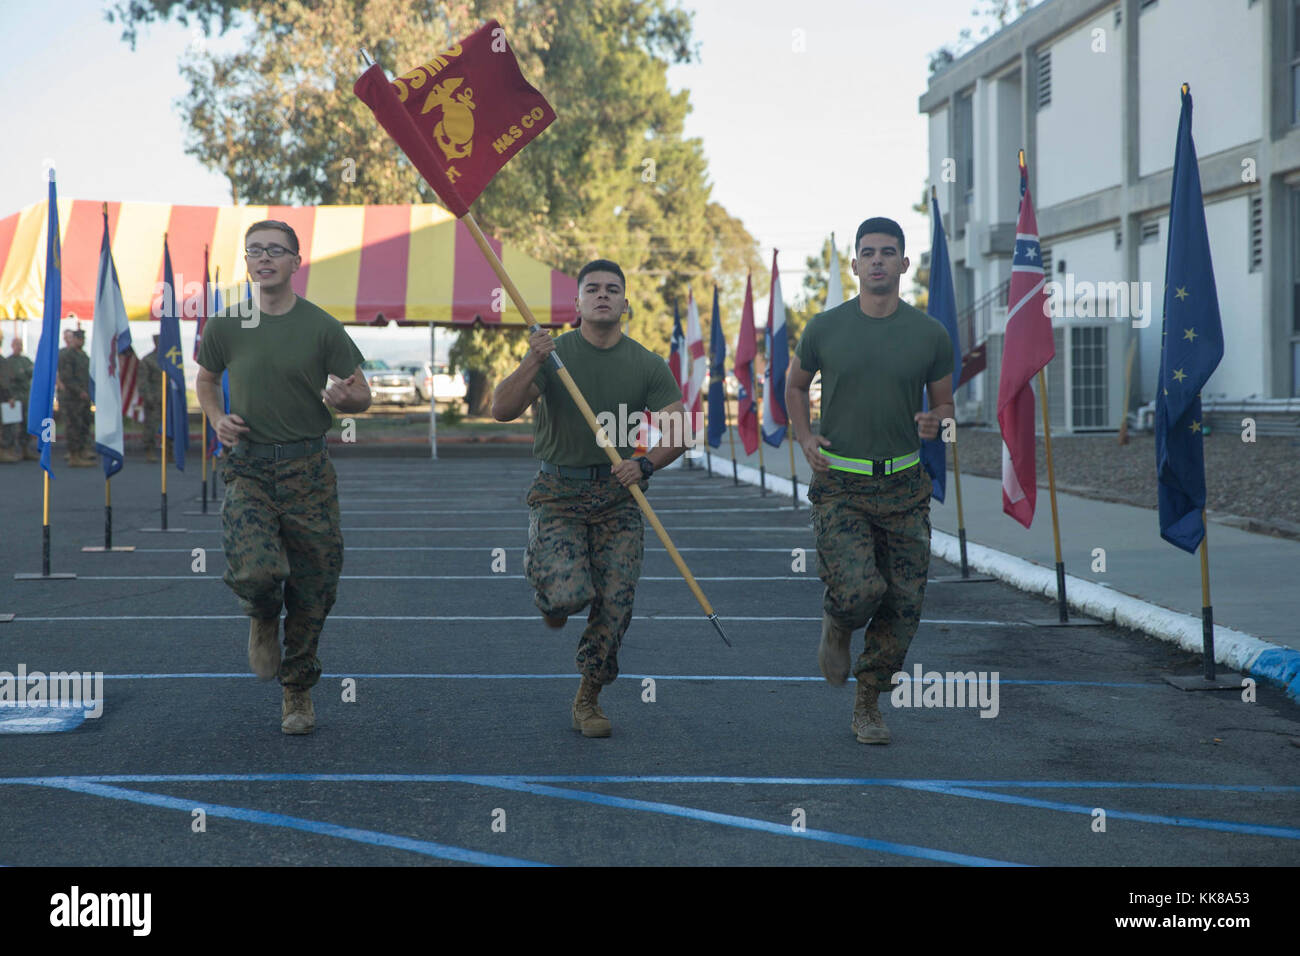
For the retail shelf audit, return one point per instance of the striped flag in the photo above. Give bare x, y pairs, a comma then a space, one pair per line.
696, 371
1026, 349
778, 358
172, 362
127, 367
746, 410
112, 334
717, 376
677, 351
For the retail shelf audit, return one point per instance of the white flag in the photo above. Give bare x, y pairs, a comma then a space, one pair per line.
111, 334
835, 290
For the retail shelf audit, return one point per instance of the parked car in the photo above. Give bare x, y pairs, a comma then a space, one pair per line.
390, 385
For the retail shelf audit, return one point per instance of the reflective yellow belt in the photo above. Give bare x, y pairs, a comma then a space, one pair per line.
868, 466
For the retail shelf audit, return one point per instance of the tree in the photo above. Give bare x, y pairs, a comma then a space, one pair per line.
996, 14
816, 284
613, 177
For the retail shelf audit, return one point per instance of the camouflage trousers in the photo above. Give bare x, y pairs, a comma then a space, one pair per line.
76, 433
284, 548
152, 428
585, 544
873, 554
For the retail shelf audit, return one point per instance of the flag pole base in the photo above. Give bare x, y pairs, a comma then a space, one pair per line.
202, 514
63, 576
162, 530
103, 550
1224, 680
958, 579
713, 619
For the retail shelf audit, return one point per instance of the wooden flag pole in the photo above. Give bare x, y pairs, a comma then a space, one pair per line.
794, 475
731, 435
163, 459
961, 519
1207, 609
203, 430
1051, 484
494, 261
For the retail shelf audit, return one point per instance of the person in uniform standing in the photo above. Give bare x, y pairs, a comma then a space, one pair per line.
15, 437
280, 517
870, 494
74, 399
149, 385
585, 531
8, 392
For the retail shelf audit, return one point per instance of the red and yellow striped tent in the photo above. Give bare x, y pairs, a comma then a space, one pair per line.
362, 264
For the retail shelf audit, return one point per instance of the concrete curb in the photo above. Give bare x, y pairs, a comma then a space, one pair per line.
1232, 648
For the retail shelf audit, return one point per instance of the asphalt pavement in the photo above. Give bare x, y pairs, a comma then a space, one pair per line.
443, 731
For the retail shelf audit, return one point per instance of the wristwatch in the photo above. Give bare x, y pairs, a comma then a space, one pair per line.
647, 468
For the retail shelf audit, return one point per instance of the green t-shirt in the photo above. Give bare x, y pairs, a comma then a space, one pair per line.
278, 368
874, 372
627, 374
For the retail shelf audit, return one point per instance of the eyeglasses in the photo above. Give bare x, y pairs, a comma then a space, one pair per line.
273, 250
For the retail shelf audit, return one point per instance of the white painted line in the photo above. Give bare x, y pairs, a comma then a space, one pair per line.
466, 618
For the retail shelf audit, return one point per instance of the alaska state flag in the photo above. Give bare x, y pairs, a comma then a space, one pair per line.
112, 334
40, 399
1191, 347
942, 305
172, 361
717, 375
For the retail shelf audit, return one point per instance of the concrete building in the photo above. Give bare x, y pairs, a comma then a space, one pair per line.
1090, 90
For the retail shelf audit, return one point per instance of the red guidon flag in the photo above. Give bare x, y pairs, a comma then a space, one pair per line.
460, 117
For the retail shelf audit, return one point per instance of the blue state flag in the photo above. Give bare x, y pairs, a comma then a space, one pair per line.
941, 305
1190, 350
717, 375
40, 399
171, 359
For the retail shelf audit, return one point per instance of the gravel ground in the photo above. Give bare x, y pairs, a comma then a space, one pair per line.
1258, 481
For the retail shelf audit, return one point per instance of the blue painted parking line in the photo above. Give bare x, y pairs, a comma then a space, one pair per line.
440, 851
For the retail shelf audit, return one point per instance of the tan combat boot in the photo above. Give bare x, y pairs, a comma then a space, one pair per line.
587, 715
833, 654
80, 460
264, 646
297, 714
868, 725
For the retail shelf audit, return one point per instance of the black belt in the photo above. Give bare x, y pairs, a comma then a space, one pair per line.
590, 472
298, 449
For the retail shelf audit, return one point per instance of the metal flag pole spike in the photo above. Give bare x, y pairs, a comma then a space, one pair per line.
713, 619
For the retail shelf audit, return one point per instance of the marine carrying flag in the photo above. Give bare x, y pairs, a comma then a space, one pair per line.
40, 399
172, 362
1191, 348
112, 336
778, 358
941, 305
746, 410
717, 376
1027, 348
461, 116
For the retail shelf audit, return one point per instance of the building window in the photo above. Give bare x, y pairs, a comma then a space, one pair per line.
1045, 78
1046, 252
964, 121
1151, 231
1256, 234
1088, 377
1119, 238
1119, 16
